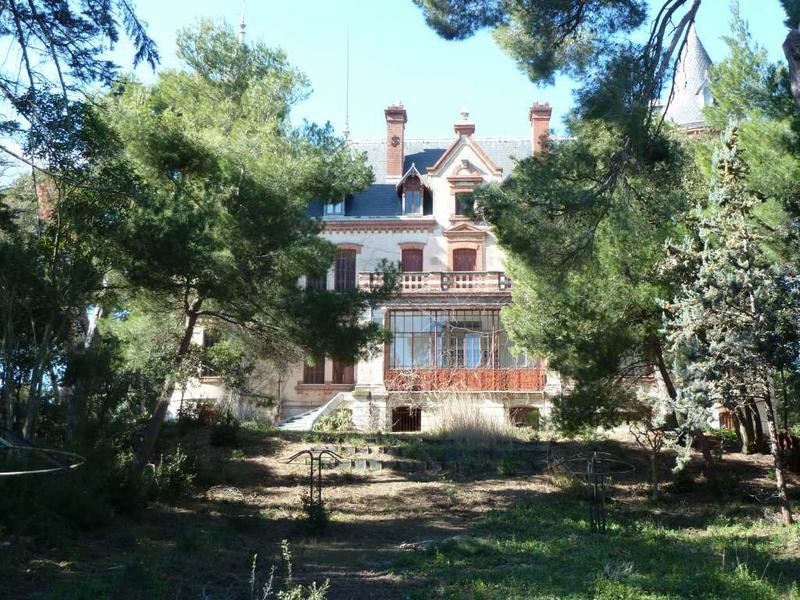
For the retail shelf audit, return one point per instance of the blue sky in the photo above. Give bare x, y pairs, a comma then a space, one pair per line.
395, 56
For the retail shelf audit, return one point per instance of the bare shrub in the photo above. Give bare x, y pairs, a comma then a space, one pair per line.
466, 417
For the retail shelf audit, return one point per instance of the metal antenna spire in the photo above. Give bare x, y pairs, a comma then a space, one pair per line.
242, 26
347, 87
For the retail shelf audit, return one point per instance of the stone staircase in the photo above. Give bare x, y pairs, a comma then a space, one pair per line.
305, 420
529, 457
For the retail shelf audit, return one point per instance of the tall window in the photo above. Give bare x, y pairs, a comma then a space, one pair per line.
345, 270
411, 260
452, 339
314, 373
465, 204
334, 208
412, 202
317, 283
210, 339
464, 259
343, 372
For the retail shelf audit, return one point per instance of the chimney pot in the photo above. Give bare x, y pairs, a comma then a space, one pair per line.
464, 126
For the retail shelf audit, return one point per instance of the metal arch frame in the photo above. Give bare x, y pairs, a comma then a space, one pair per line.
596, 476
78, 461
315, 456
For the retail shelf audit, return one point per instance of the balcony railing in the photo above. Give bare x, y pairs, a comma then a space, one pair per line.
450, 282
412, 380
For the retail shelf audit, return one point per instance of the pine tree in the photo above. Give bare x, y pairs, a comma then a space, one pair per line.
223, 234
734, 323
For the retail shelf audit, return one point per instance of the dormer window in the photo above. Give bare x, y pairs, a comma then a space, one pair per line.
412, 202
411, 190
335, 208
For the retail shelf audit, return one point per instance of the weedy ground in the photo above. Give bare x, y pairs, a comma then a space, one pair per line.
490, 531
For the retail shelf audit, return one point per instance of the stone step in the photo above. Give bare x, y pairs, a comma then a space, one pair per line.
405, 452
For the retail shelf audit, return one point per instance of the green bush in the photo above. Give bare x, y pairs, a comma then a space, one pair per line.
506, 467
174, 476
339, 420
225, 431
289, 590
131, 487
315, 517
728, 439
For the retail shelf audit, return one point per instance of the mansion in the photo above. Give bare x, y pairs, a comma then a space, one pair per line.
444, 318
447, 336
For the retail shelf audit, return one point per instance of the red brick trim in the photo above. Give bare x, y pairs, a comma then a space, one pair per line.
464, 231
412, 245
377, 225
468, 141
350, 246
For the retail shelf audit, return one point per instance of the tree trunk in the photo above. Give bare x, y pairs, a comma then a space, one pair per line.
745, 430
709, 466
791, 49
7, 397
671, 420
760, 444
32, 410
654, 474
777, 457
148, 442
75, 395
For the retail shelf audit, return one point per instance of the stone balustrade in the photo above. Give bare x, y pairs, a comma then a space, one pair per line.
442, 282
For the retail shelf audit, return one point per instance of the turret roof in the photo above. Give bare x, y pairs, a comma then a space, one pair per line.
690, 91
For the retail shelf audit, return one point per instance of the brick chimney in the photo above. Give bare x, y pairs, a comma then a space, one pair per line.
539, 116
464, 126
395, 136
47, 197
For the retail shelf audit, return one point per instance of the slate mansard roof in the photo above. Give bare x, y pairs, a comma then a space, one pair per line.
381, 200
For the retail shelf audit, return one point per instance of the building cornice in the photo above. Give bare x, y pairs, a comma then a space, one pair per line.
379, 225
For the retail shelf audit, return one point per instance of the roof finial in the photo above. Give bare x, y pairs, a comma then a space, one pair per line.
242, 26
464, 114
347, 86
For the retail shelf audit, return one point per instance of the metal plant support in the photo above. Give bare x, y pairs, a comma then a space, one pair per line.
597, 469
315, 456
57, 460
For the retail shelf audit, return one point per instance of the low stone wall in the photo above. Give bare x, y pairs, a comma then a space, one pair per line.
375, 414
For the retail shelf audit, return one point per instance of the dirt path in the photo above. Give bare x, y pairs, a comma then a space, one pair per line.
372, 515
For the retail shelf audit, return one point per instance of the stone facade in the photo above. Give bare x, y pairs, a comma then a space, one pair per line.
421, 203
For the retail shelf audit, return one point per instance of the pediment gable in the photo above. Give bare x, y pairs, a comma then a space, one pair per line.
455, 152
465, 231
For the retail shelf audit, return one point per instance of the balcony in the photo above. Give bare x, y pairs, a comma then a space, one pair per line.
518, 380
447, 283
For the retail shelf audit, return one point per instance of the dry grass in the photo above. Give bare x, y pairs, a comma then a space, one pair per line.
415, 535
468, 418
